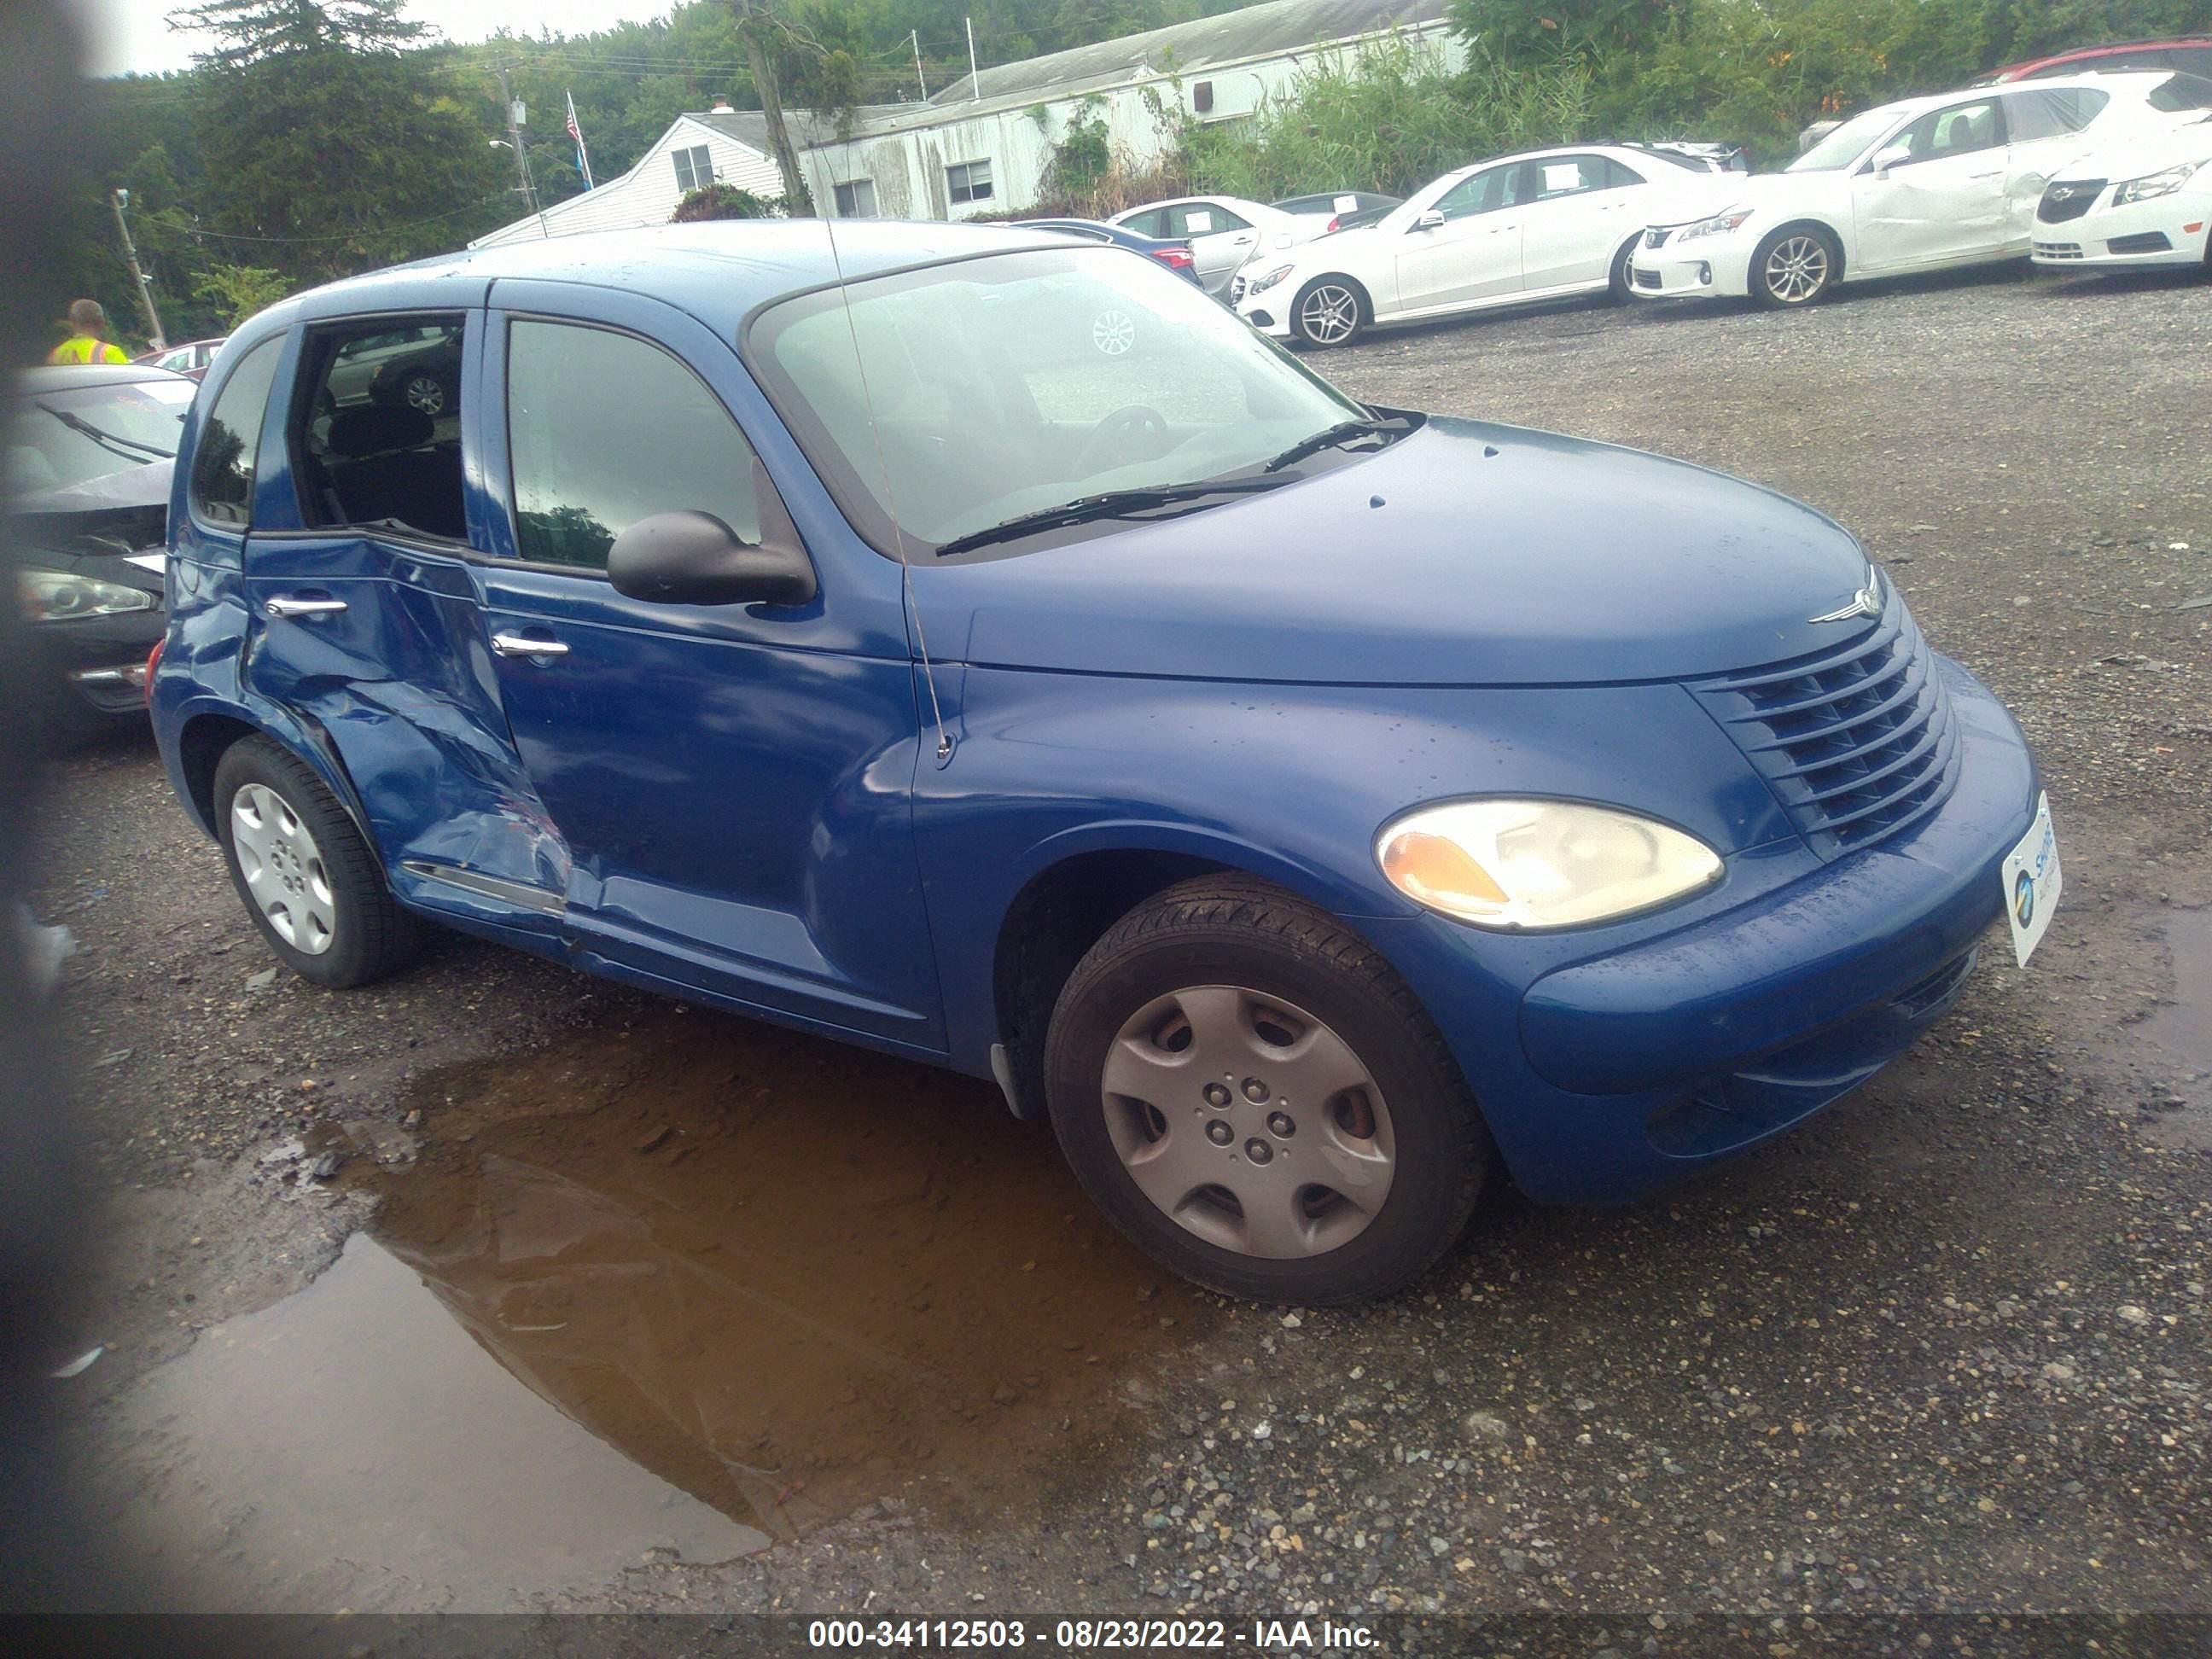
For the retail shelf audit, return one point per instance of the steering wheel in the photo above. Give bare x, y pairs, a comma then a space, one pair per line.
1121, 432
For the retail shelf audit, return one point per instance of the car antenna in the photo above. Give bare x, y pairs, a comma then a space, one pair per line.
912, 610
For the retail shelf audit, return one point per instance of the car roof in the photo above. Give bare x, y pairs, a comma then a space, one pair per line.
2081, 54
68, 377
1928, 101
719, 270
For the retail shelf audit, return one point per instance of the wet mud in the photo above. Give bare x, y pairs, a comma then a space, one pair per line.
786, 1276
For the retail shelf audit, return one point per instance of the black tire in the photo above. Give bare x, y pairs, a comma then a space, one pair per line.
1619, 283
1778, 292
1342, 297
372, 936
1235, 931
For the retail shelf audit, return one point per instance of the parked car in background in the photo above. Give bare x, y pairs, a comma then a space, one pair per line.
1924, 184
428, 379
1318, 811
1223, 231
190, 360
2144, 201
353, 376
90, 448
1173, 254
2192, 53
1545, 225
1339, 209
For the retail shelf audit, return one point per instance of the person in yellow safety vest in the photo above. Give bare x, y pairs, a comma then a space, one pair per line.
87, 342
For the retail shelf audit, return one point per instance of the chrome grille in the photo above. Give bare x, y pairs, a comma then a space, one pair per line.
2058, 250
1857, 741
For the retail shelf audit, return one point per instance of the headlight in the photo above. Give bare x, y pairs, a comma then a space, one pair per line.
2156, 184
1261, 284
57, 596
1716, 225
1516, 863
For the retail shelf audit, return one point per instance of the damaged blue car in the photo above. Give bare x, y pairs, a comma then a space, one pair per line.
982, 648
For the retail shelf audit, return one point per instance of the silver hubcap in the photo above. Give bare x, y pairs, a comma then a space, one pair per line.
426, 394
1247, 1121
283, 869
1329, 315
1797, 270
1113, 332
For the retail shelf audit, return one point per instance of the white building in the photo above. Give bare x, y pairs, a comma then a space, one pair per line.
980, 147
722, 146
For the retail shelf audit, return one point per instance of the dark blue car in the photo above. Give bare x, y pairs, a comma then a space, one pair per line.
1173, 251
981, 648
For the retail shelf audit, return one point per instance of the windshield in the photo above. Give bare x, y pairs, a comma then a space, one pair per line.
57, 439
1005, 385
1845, 144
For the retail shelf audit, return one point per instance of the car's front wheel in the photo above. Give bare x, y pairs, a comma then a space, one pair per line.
1329, 311
1620, 282
426, 392
305, 874
1253, 1095
1795, 267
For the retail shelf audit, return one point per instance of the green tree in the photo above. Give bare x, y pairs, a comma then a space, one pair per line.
334, 148
239, 291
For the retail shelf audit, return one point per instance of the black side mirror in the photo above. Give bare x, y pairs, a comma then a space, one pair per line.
685, 557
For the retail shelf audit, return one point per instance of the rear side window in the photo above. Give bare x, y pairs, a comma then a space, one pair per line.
606, 430
2053, 112
381, 443
223, 462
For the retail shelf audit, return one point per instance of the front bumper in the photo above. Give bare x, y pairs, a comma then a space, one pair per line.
93, 671
1269, 312
2167, 230
1707, 267
1634, 1067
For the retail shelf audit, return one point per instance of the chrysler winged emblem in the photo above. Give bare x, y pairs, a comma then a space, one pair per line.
1866, 602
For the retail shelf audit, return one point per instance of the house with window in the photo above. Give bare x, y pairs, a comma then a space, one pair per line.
722, 145
980, 147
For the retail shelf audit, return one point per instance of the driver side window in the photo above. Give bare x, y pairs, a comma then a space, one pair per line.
606, 429
1958, 130
1484, 192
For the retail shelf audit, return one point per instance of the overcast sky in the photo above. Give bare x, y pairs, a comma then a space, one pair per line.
123, 36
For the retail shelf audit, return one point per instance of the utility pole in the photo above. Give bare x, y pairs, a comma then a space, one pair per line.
974, 78
915, 35
515, 141
119, 199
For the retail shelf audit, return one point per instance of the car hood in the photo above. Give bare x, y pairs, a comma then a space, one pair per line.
2144, 152
1467, 553
130, 507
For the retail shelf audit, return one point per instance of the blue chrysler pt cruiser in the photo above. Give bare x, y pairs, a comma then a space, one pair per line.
982, 647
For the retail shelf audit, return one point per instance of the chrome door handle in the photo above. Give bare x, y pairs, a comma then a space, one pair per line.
287, 607
1995, 173
514, 645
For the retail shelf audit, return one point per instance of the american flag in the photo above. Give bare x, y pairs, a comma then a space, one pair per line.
583, 155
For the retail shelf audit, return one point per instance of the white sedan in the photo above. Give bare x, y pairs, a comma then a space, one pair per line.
1540, 225
2147, 201
1924, 184
1224, 231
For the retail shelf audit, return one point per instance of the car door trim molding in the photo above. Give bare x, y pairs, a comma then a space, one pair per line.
522, 894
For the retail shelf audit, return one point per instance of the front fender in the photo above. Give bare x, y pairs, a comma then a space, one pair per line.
1286, 782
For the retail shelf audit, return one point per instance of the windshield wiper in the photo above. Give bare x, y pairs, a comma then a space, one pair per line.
114, 440
1342, 431
1110, 504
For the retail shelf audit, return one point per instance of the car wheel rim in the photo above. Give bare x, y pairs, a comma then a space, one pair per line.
426, 394
1329, 315
1249, 1122
1114, 333
1797, 270
283, 869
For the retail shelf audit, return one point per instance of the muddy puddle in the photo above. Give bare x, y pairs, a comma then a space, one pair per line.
2181, 1030
785, 1276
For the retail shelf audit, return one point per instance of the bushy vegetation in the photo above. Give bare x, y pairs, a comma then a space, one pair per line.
724, 202
1755, 71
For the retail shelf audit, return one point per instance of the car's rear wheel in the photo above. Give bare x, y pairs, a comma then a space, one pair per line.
1329, 311
426, 392
1253, 1095
303, 871
1795, 267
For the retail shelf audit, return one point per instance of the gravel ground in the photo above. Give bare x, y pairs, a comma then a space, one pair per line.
1943, 1350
